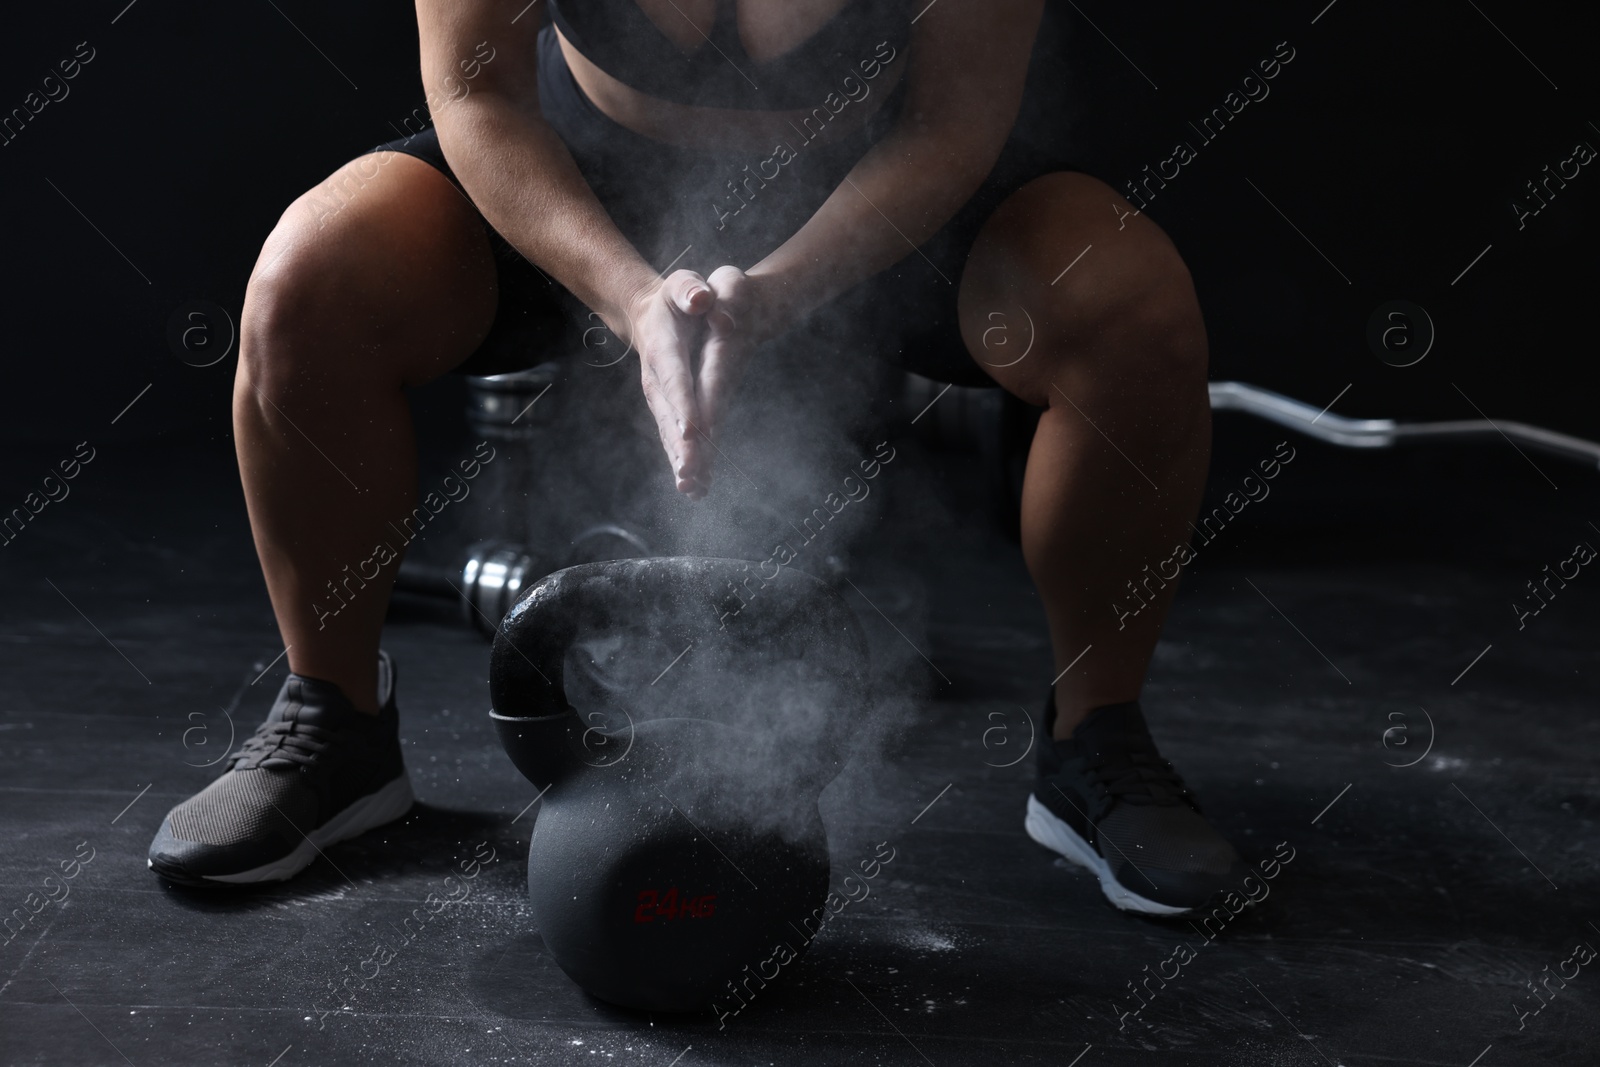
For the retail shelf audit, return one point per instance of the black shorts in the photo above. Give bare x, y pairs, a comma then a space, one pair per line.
686, 208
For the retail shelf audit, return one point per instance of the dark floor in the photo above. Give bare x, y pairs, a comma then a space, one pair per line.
1419, 902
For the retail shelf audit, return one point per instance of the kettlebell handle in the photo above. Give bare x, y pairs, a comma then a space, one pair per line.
542, 732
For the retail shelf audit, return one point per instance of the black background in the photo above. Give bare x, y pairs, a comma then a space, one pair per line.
1371, 590
1396, 141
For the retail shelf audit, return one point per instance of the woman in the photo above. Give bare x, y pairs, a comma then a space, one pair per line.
810, 158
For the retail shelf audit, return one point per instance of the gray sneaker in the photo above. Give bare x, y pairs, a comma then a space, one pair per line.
1106, 800
316, 772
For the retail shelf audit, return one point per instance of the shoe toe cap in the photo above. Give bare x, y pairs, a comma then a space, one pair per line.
1171, 856
197, 863
1187, 889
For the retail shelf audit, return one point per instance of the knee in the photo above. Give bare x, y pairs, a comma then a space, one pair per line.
1139, 332
1158, 319
1131, 309
291, 325
1123, 310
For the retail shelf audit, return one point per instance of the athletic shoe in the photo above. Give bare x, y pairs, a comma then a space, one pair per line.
1106, 800
316, 772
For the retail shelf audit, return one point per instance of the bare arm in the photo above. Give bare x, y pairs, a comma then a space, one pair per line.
524, 181
969, 60
517, 171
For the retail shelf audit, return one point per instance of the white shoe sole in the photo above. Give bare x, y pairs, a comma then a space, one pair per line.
1050, 831
371, 811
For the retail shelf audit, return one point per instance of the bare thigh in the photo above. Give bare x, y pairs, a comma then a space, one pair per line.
381, 275
1094, 293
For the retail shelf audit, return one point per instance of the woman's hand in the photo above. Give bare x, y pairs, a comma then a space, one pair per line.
742, 317
666, 321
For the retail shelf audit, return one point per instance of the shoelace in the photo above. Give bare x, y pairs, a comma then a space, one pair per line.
297, 742
1138, 776
1144, 778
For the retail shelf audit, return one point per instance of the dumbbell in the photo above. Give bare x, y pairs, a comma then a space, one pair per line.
492, 574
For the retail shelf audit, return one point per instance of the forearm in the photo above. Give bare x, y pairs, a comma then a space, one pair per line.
899, 194
524, 181
968, 61
511, 163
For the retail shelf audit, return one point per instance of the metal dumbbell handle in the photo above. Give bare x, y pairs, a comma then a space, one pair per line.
493, 574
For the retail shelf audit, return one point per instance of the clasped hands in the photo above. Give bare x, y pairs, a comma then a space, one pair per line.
694, 336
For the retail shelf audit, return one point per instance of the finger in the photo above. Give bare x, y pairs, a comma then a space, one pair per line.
688, 292
726, 281
723, 354
711, 379
679, 388
723, 362
665, 419
675, 380
672, 399
677, 450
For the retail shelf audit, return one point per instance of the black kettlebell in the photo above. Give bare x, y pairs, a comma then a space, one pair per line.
681, 716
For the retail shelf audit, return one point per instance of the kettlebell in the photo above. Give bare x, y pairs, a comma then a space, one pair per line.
681, 717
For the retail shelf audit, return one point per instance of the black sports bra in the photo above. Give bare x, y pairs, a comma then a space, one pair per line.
621, 40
